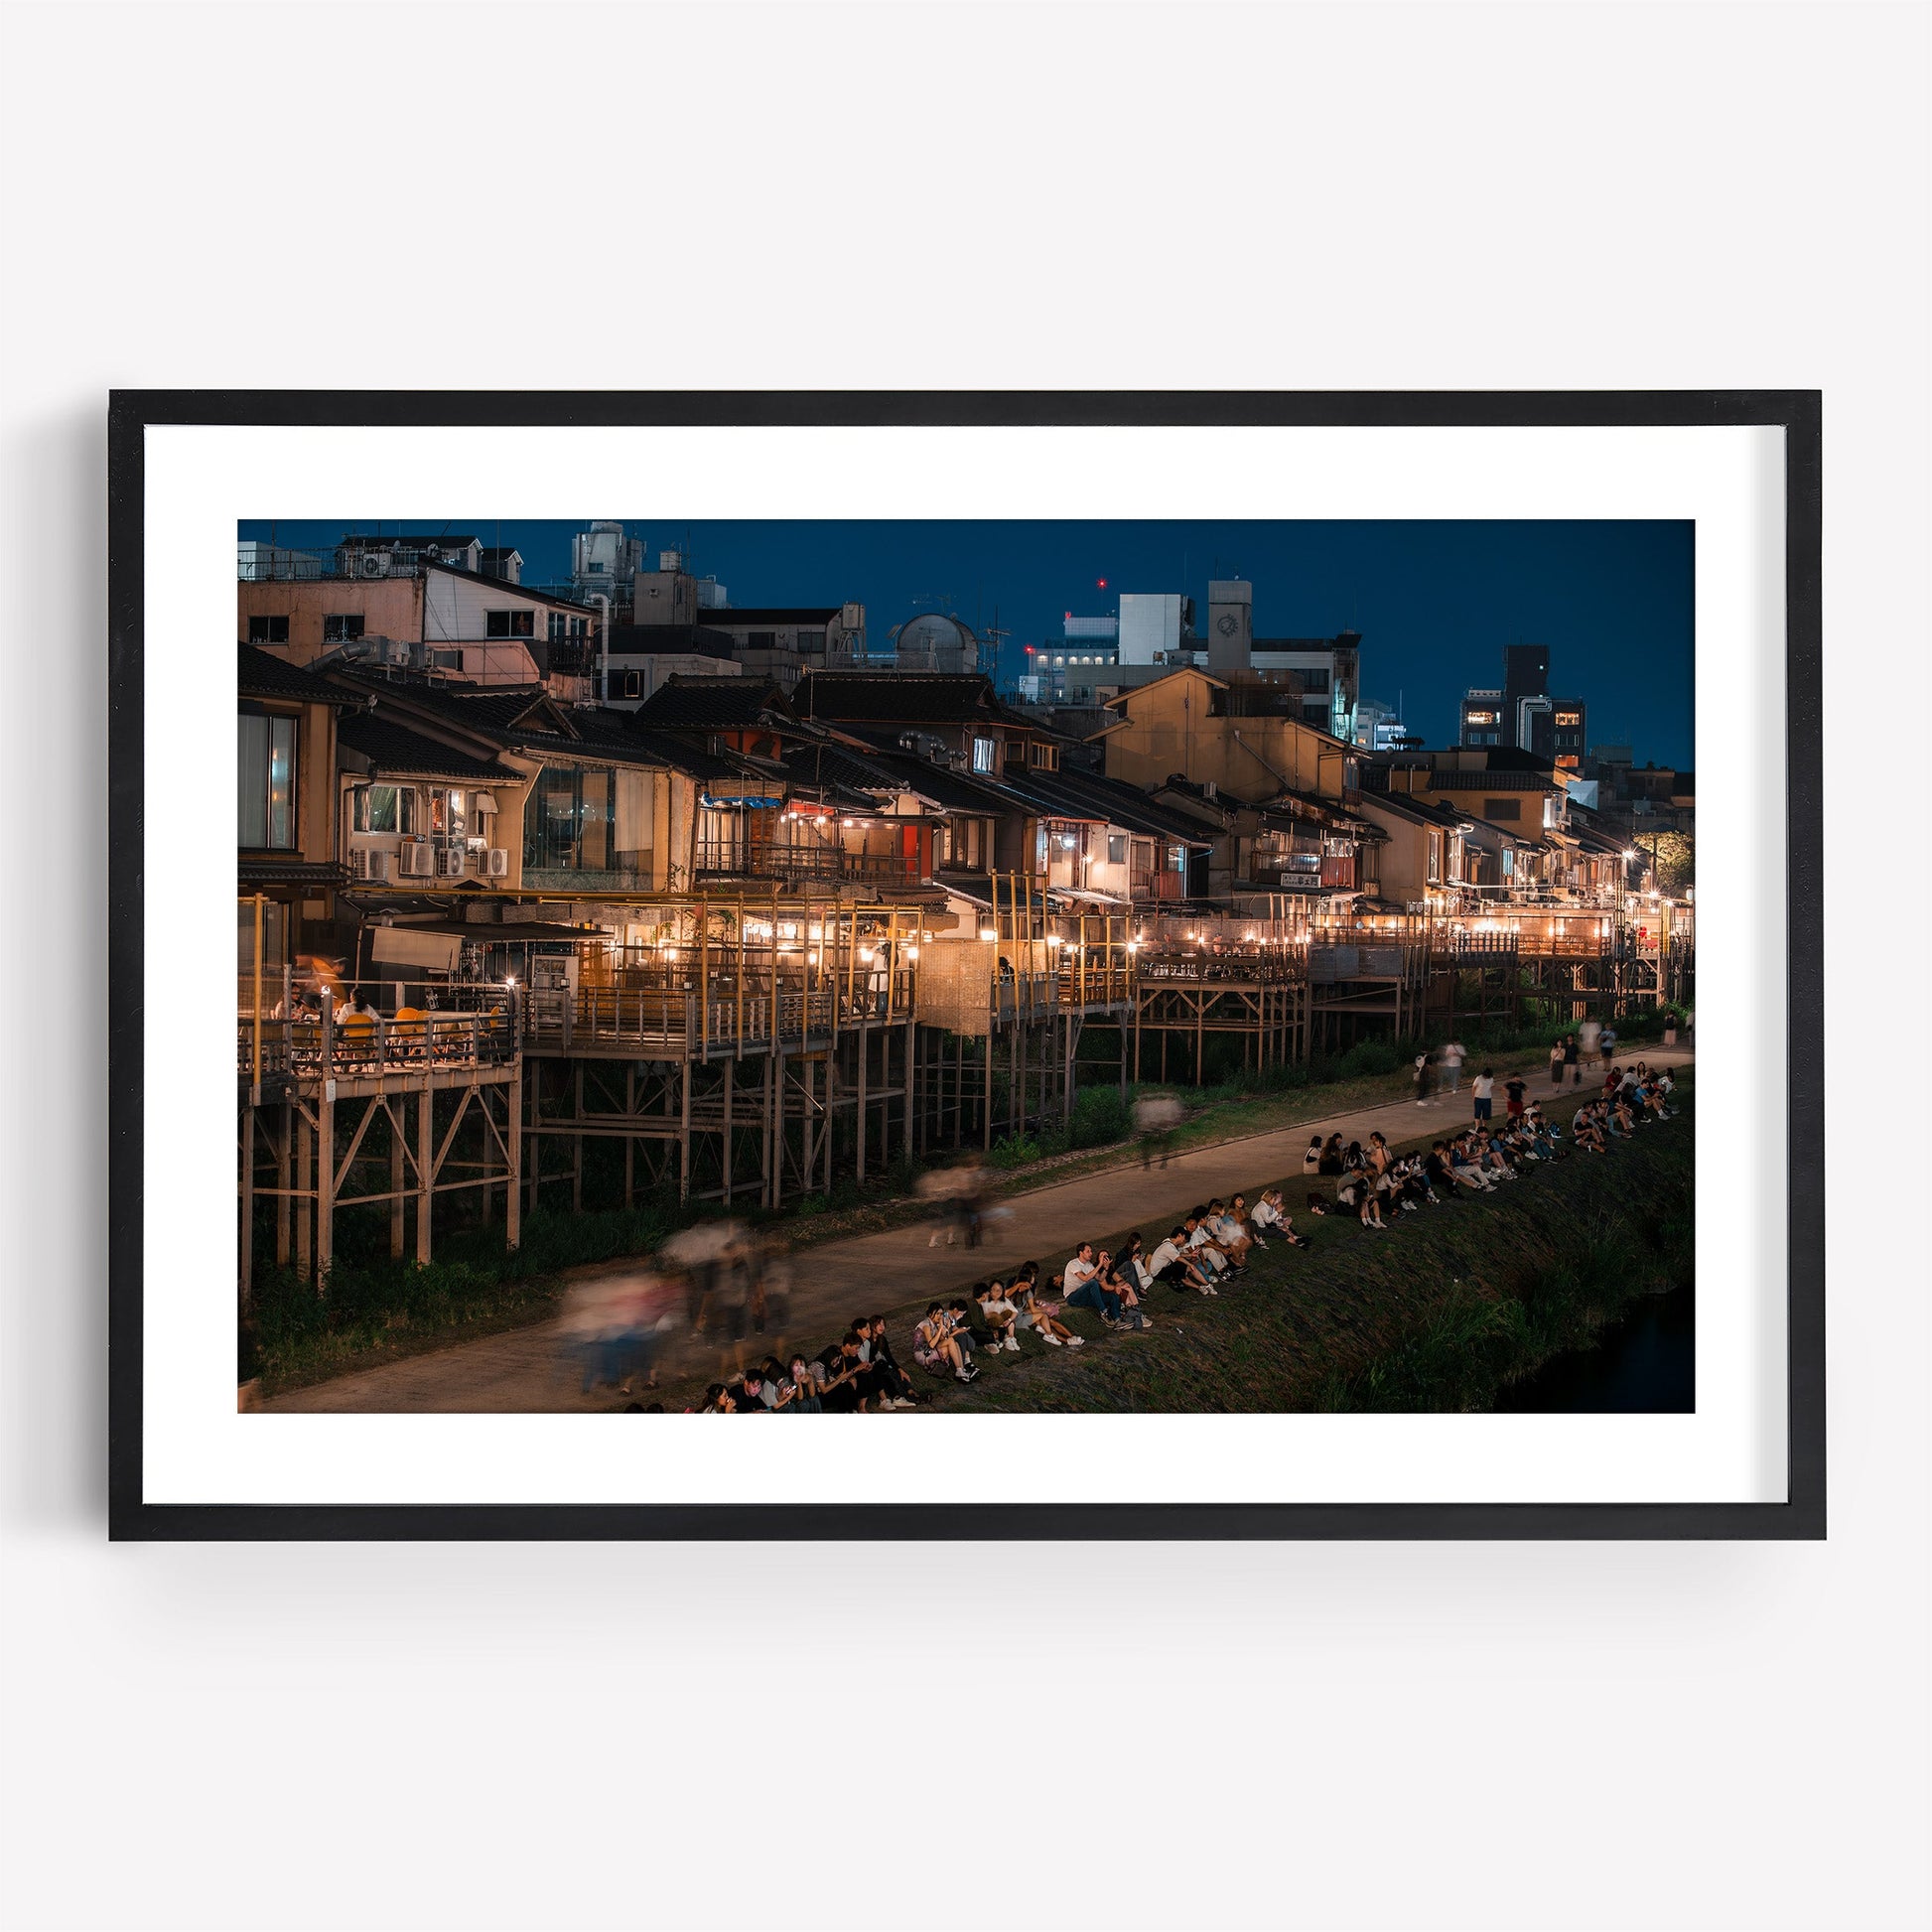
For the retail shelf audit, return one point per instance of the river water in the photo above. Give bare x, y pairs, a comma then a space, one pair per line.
1645, 1365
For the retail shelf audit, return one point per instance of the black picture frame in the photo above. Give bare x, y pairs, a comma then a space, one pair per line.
1798, 413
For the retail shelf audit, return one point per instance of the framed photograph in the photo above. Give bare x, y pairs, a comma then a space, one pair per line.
1144, 946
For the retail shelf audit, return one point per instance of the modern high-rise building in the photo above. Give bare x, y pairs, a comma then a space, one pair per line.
1522, 716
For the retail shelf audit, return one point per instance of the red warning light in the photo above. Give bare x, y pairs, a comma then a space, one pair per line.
1030, 650
1103, 583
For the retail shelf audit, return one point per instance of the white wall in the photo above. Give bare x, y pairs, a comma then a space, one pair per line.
1485, 1736
1150, 622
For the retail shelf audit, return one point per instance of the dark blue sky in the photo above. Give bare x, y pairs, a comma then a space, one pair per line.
1435, 601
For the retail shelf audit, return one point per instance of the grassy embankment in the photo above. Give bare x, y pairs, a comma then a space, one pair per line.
377, 1309
1437, 1314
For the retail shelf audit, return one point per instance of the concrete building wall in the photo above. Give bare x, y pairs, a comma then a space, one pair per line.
1171, 728
389, 606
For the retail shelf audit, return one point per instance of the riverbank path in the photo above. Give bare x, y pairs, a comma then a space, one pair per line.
527, 1369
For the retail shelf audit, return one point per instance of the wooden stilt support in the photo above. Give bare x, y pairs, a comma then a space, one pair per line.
284, 1181
249, 1202
512, 1145
399, 1189
325, 1181
683, 1134
425, 1169
865, 1040
305, 1260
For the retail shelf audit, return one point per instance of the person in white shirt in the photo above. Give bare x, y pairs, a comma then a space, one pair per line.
1168, 1264
1226, 1231
1203, 1250
1482, 1091
1080, 1269
1453, 1055
1271, 1214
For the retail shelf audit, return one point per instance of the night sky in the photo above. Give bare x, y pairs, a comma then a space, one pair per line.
1435, 601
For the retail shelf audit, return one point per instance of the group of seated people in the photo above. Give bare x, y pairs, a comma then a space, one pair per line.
1374, 1184
854, 1375
1631, 1095
859, 1374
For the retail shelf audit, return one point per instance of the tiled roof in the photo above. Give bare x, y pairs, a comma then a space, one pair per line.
1091, 795
1538, 778
392, 749
262, 674
951, 791
685, 703
903, 698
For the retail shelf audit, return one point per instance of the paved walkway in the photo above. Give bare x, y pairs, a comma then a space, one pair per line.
526, 1370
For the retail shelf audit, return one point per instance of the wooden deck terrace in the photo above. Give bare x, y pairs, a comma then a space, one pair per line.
362, 1054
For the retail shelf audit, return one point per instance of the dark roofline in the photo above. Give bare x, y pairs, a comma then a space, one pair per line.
503, 583
261, 674
793, 613
421, 540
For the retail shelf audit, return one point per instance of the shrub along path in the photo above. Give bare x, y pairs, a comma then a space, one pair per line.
525, 1370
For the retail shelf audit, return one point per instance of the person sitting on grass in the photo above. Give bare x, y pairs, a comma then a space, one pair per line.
748, 1392
1256, 1225
1361, 1196
1080, 1271
798, 1392
1311, 1159
717, 1400
962, 1311
1042, 1317
1227, 1233
1169, 1263
1119, 1280
937, 1348
876, 1350
838, 1380
1468, 1167
1332, 1156
1204, 1251
1495, 1157
1271, 1215
1000, 1313
876, 1382
1585, 1134
1440, 1171
1416, 1187
1091, 1292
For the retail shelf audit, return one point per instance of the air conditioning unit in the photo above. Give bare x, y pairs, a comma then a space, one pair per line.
418, 861
499, 863
452, 861
375, 564
372, 866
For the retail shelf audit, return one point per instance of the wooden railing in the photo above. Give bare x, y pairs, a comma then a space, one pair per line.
324, 1044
